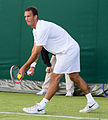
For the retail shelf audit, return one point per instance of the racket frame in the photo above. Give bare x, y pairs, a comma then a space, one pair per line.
12, 75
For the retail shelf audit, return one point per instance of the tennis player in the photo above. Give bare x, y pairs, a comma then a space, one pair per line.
57, 41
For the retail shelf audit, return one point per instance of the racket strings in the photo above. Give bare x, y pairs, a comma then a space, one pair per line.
15, 71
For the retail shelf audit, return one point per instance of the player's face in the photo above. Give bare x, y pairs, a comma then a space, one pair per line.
30, 19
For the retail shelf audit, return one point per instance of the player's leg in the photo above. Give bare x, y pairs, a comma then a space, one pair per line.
75, 77
53, 87
91, 103
39, 108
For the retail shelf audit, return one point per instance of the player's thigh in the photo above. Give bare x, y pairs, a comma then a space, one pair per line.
56, 77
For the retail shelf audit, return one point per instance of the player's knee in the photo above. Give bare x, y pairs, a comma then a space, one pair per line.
74, 77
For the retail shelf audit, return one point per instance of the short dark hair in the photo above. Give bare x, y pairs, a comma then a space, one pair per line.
33, 9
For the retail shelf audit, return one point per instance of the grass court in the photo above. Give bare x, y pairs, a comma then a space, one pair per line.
59, 108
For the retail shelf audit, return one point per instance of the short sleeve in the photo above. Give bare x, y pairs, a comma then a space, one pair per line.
41, 34
41, 37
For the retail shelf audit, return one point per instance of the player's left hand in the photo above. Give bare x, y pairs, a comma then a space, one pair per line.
31, 71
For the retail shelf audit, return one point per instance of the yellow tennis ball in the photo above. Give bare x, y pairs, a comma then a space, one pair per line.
19, 76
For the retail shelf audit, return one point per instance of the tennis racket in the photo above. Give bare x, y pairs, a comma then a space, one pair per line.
14, 72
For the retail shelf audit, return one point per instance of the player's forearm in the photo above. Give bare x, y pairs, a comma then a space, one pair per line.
33, 57
35, 62
33, 50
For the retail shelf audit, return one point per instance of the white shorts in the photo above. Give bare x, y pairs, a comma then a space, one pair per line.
68, 62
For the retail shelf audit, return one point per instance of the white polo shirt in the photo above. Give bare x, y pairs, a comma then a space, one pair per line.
53, 38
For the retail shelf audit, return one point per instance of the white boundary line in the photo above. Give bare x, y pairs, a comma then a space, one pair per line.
57, 116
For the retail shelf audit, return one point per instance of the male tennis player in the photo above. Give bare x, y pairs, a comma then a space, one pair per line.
57, 41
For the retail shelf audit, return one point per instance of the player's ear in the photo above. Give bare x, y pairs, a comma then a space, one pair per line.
36, 17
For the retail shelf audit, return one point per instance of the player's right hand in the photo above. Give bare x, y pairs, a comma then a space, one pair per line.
22, 72
30, 72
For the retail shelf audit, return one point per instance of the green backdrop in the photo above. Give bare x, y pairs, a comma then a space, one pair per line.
85, 20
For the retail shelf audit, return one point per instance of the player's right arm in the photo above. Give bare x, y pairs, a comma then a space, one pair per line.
32, 67
34, 57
